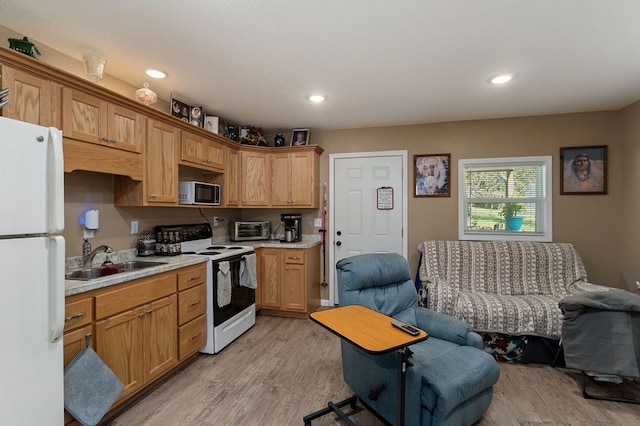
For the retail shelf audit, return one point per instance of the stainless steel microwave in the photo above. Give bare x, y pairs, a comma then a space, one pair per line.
202, 193
247, 231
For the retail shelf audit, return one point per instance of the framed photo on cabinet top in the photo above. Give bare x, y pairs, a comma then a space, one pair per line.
431, 175
300, 137
583, 170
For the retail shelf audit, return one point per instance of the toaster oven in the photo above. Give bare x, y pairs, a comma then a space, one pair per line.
247, 231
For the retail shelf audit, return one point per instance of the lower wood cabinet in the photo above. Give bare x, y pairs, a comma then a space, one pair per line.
142, 329
289, 281
139, 345
192, 310
78, 331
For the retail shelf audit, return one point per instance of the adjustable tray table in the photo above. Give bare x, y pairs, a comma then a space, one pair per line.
372, 332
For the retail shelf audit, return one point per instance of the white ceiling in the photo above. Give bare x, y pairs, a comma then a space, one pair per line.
380, 63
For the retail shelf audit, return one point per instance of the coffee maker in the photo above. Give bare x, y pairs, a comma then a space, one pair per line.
292, 227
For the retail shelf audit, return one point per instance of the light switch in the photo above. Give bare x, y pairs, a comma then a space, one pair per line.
317, 222
134, 226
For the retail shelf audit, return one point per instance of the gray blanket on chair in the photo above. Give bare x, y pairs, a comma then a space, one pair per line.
601, 332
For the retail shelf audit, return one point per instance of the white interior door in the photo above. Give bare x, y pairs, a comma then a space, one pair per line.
368, 207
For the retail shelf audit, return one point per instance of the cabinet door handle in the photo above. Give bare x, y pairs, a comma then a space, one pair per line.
149, 312
114, 140
293, 258
141, 315
196, 303
153, 195
76, 316
194, 278
195, 336
105, 139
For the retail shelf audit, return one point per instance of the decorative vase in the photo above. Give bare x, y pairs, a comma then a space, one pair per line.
513, 223
278, 140
232, 133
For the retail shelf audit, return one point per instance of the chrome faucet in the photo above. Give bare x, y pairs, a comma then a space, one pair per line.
87, 259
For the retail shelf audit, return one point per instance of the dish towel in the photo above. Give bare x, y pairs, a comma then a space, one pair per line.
224, 284
248, 271
90, 387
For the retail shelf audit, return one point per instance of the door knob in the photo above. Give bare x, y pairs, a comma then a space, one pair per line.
338, 243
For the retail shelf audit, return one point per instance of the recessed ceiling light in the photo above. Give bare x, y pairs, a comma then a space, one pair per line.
317, 98
502, 79
155, 73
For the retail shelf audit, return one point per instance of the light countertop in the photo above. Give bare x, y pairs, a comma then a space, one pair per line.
171, 262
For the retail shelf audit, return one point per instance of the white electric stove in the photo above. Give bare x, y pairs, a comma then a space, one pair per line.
224, 323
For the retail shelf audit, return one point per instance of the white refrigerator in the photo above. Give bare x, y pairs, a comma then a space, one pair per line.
32, 274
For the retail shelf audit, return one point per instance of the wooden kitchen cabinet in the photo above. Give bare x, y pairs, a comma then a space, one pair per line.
294, 179
101, 136
192, 310
270, 262
91, 119
162, 163
136, 332
256, 178
290, 281
294, 289
160, 184
231, 179
78, 331
198, 151
30, 96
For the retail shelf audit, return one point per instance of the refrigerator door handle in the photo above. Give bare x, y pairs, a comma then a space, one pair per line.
56, 288
56, 182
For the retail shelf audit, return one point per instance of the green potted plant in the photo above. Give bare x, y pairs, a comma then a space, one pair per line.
509, 211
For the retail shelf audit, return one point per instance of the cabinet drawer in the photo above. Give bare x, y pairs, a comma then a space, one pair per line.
192, 303
78, 313
192, 336
192, 276
294, 256
135, 294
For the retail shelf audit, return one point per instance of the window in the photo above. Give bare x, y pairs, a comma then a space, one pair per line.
505, 199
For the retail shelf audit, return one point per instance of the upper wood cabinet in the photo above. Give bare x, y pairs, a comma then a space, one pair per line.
294, 179
162, 162
198, 151
91, 119
256, 178
29, 96
231, 180
160, 184
100, 136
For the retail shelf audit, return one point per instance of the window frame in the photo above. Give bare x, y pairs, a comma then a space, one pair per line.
545, 215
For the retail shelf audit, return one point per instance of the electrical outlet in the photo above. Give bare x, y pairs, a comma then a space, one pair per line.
134, 226
216, 221
317, 222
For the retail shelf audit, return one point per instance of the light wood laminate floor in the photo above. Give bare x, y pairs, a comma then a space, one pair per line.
283, 369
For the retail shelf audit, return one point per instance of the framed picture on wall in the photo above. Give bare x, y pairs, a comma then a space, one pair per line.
300, 137
584, 170
432, 175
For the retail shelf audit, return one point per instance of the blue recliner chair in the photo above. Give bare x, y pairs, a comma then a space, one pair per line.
451, 379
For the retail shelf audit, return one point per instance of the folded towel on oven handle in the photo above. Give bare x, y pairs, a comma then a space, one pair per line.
248, 271
224, 284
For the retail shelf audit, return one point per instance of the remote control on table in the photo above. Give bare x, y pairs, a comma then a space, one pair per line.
405, 327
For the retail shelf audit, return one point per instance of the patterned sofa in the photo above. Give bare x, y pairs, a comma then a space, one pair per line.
508, 287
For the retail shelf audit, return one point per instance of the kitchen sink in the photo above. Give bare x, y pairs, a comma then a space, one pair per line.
116, 268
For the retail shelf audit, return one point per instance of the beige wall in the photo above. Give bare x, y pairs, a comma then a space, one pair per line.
588, 221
